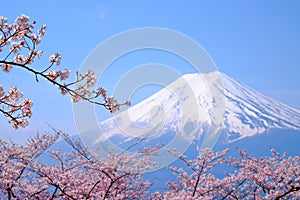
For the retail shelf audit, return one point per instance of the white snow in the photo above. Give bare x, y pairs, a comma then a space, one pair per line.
188, 104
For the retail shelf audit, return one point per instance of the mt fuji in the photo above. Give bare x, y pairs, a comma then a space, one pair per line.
198, 111
246, 112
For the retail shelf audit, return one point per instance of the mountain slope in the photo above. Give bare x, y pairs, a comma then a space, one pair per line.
247, 112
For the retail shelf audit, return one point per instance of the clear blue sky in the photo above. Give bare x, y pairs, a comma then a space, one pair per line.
255, 42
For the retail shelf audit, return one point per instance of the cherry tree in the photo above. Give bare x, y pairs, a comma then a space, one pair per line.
19, 49
196, 181
75, 174
275, 177
37, 170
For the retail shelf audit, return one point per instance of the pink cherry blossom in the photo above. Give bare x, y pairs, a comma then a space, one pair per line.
22, 40
273, 177
55, 58
6, 67
52, 75
63, 74
76, 174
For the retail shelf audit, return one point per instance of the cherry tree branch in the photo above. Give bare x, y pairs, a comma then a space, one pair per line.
19, 44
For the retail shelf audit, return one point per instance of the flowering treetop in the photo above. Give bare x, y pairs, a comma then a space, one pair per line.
276, 177
78, 174
18, 49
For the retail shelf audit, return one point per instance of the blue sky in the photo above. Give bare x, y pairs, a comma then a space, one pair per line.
255, 42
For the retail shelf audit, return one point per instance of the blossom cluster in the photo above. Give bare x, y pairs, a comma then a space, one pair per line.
78, 174
18, 44
17, 111
275, 177
19, 41
75, 174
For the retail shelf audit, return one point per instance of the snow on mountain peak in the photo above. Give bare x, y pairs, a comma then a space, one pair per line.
247, 112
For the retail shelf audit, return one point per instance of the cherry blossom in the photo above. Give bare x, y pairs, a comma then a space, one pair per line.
18, 49
76, 174
275, 177
6, 67
16, 110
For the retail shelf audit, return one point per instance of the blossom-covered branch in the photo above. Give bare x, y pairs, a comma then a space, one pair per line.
75, 174
18, 47
275, 177
13, 109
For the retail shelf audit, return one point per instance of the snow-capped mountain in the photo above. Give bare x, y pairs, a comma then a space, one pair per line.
187, 103
195, 111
